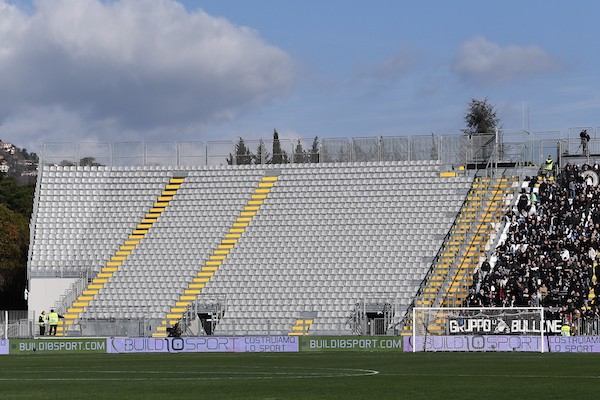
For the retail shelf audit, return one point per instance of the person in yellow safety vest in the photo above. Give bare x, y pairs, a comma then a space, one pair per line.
42, 321
565, 329
549, 166
53, 318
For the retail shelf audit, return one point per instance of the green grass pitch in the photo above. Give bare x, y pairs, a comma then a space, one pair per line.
334, 375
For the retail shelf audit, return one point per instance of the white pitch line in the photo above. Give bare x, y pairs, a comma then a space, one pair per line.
496, 376
330, 373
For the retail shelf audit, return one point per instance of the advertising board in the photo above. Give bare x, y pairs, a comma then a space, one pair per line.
350, 343
66, 345
573, 344
556, 344
204, 344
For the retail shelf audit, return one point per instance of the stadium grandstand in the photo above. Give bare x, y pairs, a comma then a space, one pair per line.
147, 242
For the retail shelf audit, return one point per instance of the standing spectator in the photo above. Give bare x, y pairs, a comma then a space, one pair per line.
525, 298
471, 299
53, 318
535, 300
565, 329
549, 166
485, 268
585, 138
482, 299
42, 321
524, 203
543, 292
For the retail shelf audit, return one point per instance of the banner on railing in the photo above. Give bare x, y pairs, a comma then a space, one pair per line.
461, 325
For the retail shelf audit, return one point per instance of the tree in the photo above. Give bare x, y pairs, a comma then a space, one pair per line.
14, 241
18, 198
481, 118
279, 155
89, 161
300, 155
434, 155
16, 204
482, 123
243, 156
262, 156
314, 151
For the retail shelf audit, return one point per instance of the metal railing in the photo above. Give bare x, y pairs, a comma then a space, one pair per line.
586, 326
476, 229
23, 325
490, 171
449, 149
75, 290
125, 327
436, 260
17, 324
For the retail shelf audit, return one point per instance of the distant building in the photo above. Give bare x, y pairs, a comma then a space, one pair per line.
8, 147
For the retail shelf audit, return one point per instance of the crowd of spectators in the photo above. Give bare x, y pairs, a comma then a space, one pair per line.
547, 252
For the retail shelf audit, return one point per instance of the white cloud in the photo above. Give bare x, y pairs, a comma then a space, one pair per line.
385, 72
484, 62
130, 65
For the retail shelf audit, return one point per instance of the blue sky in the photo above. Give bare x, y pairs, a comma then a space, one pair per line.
154, 70
345, 43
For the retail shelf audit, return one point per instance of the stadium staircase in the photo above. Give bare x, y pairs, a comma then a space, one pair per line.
211, 266
93, 288
451, 274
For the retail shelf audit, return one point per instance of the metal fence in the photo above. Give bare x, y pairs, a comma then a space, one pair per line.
23, 324
123, 327
17, 324
450, 149
516, 146
586, 326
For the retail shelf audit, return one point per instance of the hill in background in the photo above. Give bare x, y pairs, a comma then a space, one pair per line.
18, 172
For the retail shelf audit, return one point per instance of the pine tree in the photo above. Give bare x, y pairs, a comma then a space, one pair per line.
300, 155
314, 151
279, 156
242, 154
276, 148
262, 156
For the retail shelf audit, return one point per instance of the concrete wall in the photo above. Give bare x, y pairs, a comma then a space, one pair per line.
45, 292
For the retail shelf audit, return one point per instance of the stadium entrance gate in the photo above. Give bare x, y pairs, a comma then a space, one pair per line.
207, 311
373, 318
